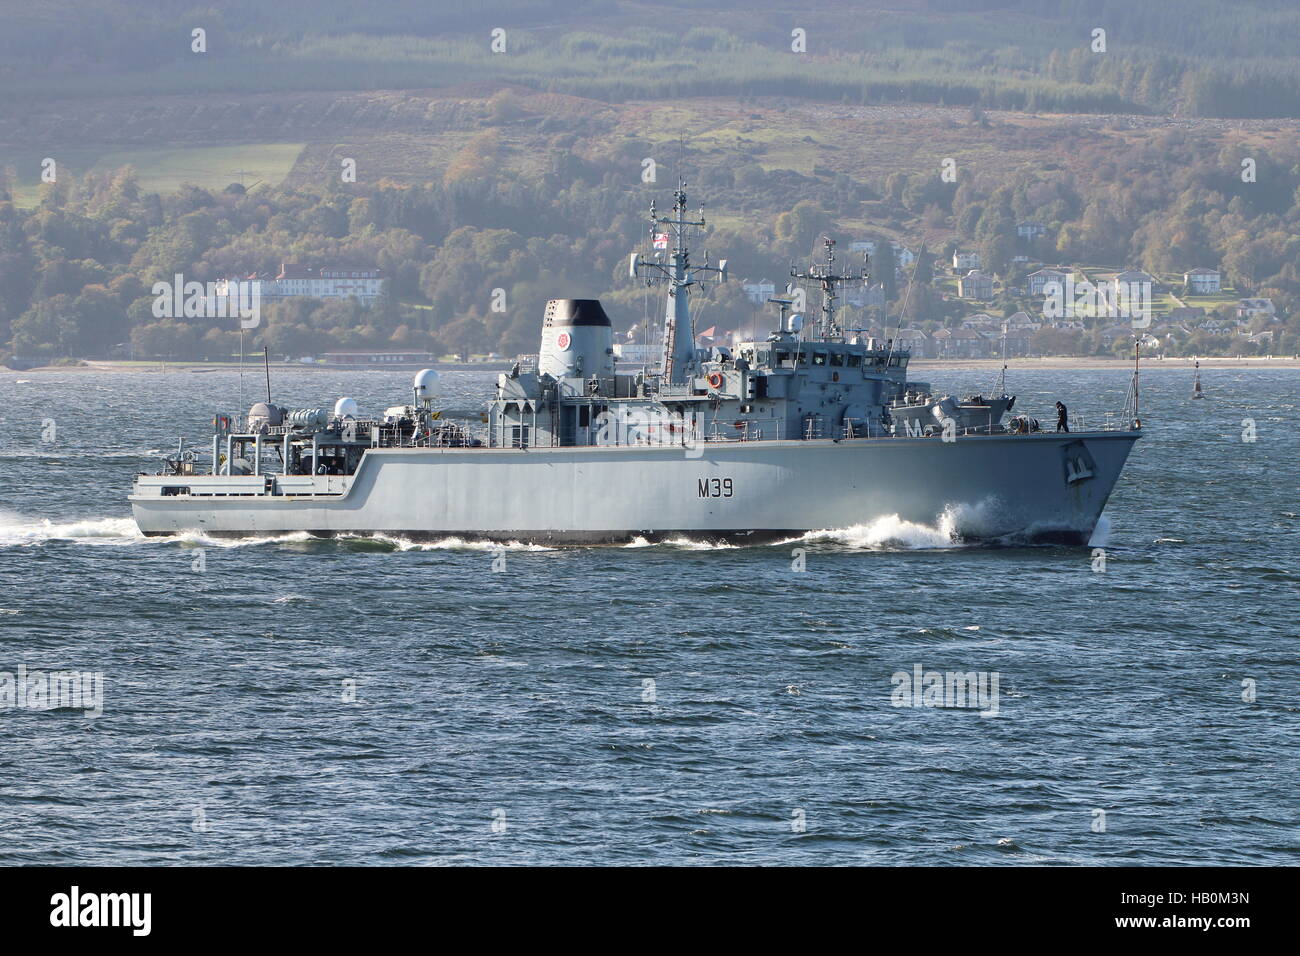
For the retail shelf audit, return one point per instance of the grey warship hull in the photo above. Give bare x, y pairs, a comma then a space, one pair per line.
1039, 487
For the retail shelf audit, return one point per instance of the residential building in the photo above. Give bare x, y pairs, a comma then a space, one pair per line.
366, 285
870, 297
965, 261
1038, 281
378, 358
1023, 320
1202, 281
1249, 308
759, 292
975, 285
914, 340
982, 322
1129, 278
961, 343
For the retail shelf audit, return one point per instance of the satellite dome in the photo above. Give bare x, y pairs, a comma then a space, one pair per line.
346, 408
266, 412
426, 383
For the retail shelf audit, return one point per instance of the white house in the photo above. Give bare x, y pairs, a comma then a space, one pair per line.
1249, 308
296, 280
1039, 280
760, 291
1030, 230
865, 298
965, 261
1130, 277
1202, 281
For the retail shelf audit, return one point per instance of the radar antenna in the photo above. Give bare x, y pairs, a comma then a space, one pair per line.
824, 275
672, 233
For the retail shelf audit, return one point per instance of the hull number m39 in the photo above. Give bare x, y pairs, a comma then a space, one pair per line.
716, 488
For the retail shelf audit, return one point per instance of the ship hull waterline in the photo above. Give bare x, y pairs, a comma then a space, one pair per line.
1044, 487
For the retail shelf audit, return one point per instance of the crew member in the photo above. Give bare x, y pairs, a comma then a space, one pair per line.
1062, 420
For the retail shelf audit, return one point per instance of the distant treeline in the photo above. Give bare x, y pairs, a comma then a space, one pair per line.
1230, 58
472, 258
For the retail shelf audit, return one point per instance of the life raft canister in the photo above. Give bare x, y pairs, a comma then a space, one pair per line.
716, 380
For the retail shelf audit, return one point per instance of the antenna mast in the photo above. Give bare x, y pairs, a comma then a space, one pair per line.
824, 274
673, 232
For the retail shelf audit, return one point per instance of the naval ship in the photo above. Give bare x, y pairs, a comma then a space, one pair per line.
810, 428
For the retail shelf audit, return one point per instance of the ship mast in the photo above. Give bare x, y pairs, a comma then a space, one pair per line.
824, 274
675, 231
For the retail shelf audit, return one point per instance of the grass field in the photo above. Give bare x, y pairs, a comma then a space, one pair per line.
164, 170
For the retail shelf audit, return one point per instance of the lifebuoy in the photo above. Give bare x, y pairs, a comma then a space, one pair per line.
716, 380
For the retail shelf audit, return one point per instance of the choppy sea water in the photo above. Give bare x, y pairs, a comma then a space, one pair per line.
656, 704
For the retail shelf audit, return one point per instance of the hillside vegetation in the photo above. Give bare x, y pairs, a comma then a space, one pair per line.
1229, 58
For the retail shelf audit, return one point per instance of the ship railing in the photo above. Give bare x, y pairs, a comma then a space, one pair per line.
751, 429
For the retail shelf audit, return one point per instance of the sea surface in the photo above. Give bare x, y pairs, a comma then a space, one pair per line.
370, 701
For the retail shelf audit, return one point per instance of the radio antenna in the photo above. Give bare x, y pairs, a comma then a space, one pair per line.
266, 364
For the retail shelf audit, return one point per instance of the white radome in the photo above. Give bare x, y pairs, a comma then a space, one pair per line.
346, 408
426, 383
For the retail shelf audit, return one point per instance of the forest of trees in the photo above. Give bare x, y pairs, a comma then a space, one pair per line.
76, 269
1228, 58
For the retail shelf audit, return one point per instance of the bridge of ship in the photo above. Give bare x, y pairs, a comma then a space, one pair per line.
780, 389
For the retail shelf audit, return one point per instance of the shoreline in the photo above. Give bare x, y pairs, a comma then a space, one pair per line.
1047, 363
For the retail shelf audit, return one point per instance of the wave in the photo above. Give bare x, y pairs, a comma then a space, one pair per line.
445, 544
890, 532
19, 531
683, 543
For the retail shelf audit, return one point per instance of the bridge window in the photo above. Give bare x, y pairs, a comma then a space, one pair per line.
854, 361
819, 358
837, 358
